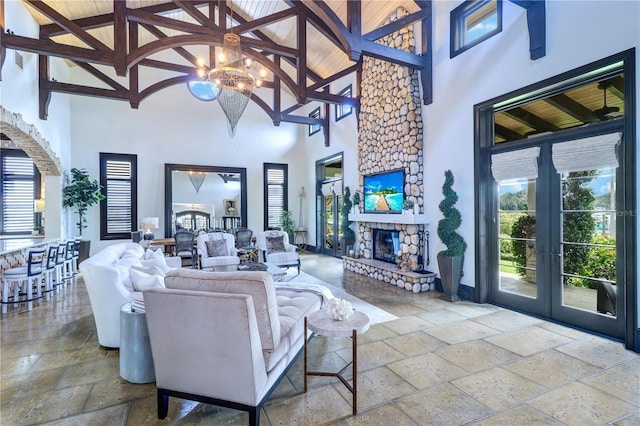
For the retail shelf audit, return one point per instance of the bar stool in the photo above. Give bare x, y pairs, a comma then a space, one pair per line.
61, 279
29, 275
49, 270
69, 269
76, 254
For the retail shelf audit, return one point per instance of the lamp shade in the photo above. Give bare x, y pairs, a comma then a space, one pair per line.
150, 223
38, 205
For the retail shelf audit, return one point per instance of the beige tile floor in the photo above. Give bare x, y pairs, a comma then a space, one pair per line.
439, 363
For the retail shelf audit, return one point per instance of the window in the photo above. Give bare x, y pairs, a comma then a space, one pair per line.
20, 186
473, 22
276, 188
118, 211
342, 110
314, 128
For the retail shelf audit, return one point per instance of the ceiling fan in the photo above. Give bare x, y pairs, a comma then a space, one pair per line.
606, 112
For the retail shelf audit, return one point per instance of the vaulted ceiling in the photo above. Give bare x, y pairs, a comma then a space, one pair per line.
305, 45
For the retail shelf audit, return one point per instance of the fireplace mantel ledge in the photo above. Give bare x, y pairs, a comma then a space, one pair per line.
405, 219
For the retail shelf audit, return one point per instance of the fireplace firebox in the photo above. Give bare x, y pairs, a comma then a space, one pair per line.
386, 243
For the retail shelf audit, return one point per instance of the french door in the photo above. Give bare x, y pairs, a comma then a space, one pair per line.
556, 236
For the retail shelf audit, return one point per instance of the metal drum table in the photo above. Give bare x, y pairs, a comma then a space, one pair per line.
136, 361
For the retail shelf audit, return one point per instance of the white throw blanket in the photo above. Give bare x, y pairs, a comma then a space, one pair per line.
313, 288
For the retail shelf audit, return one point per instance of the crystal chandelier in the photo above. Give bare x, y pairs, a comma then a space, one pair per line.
232, 80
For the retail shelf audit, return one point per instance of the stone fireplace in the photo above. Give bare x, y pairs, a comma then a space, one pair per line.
389, 138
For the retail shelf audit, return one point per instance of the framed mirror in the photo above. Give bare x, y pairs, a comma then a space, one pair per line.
204, 197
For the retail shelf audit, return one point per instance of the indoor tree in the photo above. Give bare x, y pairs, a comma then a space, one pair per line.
81, 194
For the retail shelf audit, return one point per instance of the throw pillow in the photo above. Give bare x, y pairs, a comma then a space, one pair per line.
275, 244
158, 262
149, 270
217, 248
152, 254
142, 281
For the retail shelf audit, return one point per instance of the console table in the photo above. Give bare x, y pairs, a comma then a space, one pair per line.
322, 324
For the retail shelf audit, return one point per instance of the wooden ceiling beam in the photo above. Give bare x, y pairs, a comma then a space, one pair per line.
100, 75
195, 13
397, 25
246, 26
321, 12
617, 87
328, 98
142, 17
156, 32
51, 48
390, 54
120, 37
506, 134
69, 25
76, 89
315, 21
567, 105
354, 22
321, 83
106, 19
531, 120
168, 66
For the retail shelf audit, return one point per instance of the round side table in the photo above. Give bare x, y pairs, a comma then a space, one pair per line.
136, 361
322, 324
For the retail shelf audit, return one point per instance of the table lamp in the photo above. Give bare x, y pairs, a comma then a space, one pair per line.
149, 223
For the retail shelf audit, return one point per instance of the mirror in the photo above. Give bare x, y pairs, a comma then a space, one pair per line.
204, 197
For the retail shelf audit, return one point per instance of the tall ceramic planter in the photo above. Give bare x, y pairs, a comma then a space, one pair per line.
450, 274
84, 250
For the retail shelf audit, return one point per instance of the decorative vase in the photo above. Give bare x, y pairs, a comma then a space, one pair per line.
450, 274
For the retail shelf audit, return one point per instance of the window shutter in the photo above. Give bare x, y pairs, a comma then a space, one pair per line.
275, 196
18, 174
118, 209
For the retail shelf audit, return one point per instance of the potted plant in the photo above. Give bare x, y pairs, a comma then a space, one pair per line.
348, 237
356, 202
81, 194
407, 206
451, 260
288, 224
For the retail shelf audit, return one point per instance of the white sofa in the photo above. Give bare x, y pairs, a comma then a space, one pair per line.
224, 338
107, 277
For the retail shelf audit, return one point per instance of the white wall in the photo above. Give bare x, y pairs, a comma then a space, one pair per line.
578, 32
343, 138
172, 126
19, 94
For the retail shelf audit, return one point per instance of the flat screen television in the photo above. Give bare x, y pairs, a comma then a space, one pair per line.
384, 192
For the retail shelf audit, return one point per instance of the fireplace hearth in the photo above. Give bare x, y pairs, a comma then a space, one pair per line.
386, 243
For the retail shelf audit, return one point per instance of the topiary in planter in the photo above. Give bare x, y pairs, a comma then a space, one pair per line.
452, 219
451, 260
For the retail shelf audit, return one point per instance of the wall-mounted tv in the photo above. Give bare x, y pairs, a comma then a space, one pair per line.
384, 192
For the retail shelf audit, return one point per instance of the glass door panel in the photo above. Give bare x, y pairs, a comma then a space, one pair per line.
517, 237
589, 259
329, 225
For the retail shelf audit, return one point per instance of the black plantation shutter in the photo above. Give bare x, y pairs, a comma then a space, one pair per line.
118, 209
275, 193
18, 192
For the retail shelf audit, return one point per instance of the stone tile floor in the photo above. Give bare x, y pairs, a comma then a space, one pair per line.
439, 363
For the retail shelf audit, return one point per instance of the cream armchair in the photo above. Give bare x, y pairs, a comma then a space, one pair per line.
217, 250
274, 247
224, 338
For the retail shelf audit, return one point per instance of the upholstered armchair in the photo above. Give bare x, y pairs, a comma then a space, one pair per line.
274, 247
217, 250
